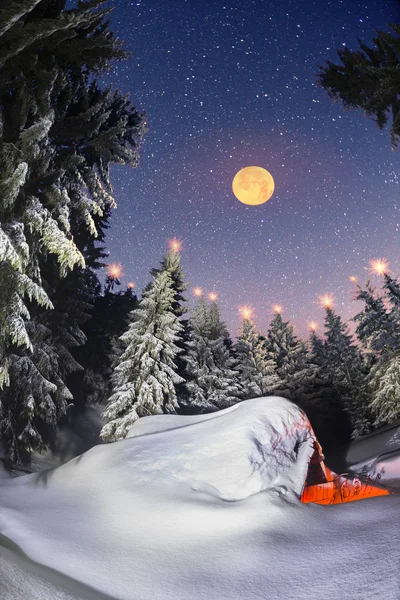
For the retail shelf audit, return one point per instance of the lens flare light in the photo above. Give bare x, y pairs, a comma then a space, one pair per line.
379, 266
175, 245
246, 312
326, 301
114, 270
198, 292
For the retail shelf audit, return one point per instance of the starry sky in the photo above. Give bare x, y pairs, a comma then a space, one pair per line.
226, 84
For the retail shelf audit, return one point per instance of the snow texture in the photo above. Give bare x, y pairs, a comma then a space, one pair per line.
378, 456
370, 446
195, 507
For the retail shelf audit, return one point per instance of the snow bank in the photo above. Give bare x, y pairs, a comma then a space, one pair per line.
237, 452
201, 508
378, 455
370, 446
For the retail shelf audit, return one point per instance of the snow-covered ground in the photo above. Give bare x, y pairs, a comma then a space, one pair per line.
195, 507
378, 455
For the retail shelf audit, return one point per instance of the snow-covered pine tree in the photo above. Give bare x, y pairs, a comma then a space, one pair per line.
346, 373
376, 327
385, 385
316, 397
384, 377
279, 339
212, 381
294, 365
59, 134
258, 371
300, 373
172, 264
99, 356
217, 328
145, 377
392, 288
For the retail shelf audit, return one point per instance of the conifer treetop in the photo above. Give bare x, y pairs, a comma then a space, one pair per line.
145, 375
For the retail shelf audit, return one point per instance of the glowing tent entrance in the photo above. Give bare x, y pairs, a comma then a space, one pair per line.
323, 486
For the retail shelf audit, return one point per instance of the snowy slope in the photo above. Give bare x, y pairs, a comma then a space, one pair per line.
370, 446
206, 509
378, 454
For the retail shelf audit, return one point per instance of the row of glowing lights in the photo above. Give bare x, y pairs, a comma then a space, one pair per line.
377, 266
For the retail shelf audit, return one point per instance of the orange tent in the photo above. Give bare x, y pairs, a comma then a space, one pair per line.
323, 486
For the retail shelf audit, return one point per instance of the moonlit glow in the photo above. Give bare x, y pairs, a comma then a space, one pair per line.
175, 245
197, 291
246, 312
379, 266
213, 296
253, 185
326, 301
277, 308
114, 270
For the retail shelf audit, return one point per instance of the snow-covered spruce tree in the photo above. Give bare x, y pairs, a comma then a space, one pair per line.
346, 373
300, 373
99, 356
294, 363
317, 398
392, 289
279, 339
172, 264
145, 376
385, 385
212, 378
59, 134
376, 327
384, 377
258, 371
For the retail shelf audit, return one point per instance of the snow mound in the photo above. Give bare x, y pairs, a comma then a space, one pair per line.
237, 452
195, 507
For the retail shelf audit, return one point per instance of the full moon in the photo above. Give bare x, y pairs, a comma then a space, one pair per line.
253, 185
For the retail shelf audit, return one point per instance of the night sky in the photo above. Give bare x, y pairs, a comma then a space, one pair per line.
230, 84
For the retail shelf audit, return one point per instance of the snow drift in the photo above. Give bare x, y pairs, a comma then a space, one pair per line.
200, 507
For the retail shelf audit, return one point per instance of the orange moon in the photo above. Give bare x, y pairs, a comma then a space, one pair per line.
253, 185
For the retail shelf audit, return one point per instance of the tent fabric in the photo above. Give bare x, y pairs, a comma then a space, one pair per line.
324, 486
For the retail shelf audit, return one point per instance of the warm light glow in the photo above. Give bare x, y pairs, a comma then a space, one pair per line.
114, 270
379, 266
277, 308
246, 312
253, 185
213, 296
313, 325
326, 301
197, 291
353, 278
175, 245
131, 285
